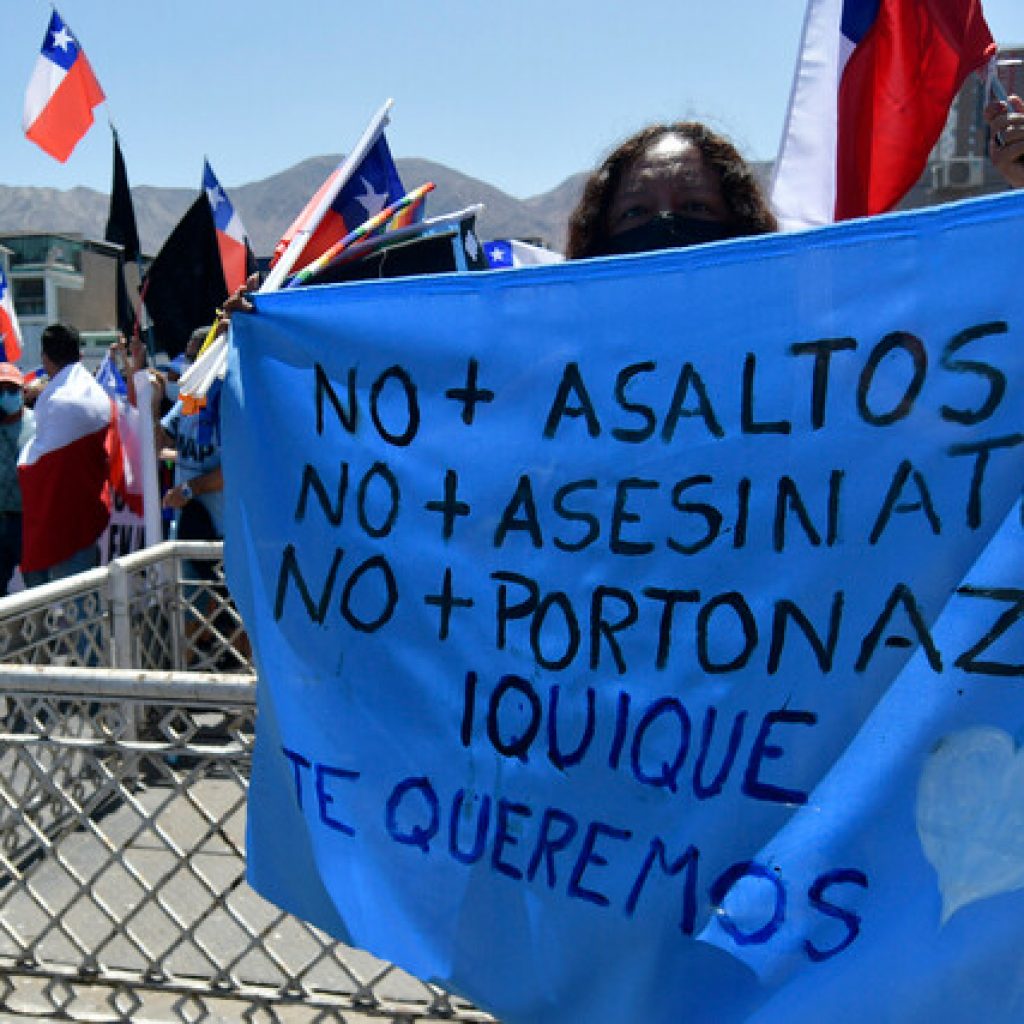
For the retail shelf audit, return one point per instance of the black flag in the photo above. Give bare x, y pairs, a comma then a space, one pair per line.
185, 283
121, 230
453, 249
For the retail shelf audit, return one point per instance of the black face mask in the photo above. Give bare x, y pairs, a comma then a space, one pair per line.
666, 231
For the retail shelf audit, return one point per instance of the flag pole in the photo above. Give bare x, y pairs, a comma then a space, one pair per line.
196, 381
145, 333
291, 255
152, 517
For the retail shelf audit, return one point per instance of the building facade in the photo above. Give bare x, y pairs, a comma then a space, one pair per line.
959, 166
67, 278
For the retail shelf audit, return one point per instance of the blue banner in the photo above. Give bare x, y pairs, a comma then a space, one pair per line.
640, 639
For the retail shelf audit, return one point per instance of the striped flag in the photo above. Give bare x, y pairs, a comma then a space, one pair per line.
873, 86
373, 185
10, 332
232, 240
61, 93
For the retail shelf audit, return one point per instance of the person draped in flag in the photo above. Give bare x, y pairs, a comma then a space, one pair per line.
668, 186
64, 470
1006, 147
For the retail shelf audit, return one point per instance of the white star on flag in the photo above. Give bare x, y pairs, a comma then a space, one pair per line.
216, 197
63, 38
372, 202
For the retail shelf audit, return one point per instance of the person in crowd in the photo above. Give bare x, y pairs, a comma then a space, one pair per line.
172, 373
668, 186
64, 469
195, 440
181, 363
1006, 146
17, 428
130, 357
198, 501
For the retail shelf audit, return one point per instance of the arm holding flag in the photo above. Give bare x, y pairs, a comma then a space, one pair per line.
1006, 121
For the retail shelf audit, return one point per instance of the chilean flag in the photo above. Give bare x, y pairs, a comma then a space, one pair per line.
124, 454
373, 185
231, 237
64, 471
124, 448
872, 92
61, 93
10, 332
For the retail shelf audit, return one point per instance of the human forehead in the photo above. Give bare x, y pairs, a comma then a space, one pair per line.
670, 158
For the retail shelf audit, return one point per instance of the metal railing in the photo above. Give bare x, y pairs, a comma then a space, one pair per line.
124, 769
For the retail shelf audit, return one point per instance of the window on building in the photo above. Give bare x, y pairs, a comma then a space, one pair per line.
29, 296
44, 251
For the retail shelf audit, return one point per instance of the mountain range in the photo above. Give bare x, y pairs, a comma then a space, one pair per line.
267, 207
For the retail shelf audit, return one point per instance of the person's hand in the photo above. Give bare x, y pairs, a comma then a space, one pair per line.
238, 302
137, 355
119, 354
1007, 146
33, 389
174, 498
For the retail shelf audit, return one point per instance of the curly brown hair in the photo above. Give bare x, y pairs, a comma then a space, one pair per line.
588, 223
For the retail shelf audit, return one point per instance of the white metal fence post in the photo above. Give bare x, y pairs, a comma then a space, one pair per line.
120, 613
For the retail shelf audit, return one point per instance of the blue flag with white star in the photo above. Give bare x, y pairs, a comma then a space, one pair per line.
232, 241
373, 185
508, 253
641, 639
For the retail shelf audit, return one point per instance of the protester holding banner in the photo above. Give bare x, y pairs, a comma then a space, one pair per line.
1006, 147
666, 611
17, 428
668, 186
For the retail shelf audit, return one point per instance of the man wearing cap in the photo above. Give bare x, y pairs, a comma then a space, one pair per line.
17, 428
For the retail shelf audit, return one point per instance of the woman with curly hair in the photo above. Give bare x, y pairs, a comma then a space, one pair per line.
667, 186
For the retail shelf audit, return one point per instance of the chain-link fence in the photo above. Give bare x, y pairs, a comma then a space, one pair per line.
123, 776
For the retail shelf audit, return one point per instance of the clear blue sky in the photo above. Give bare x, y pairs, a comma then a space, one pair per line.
521, 93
